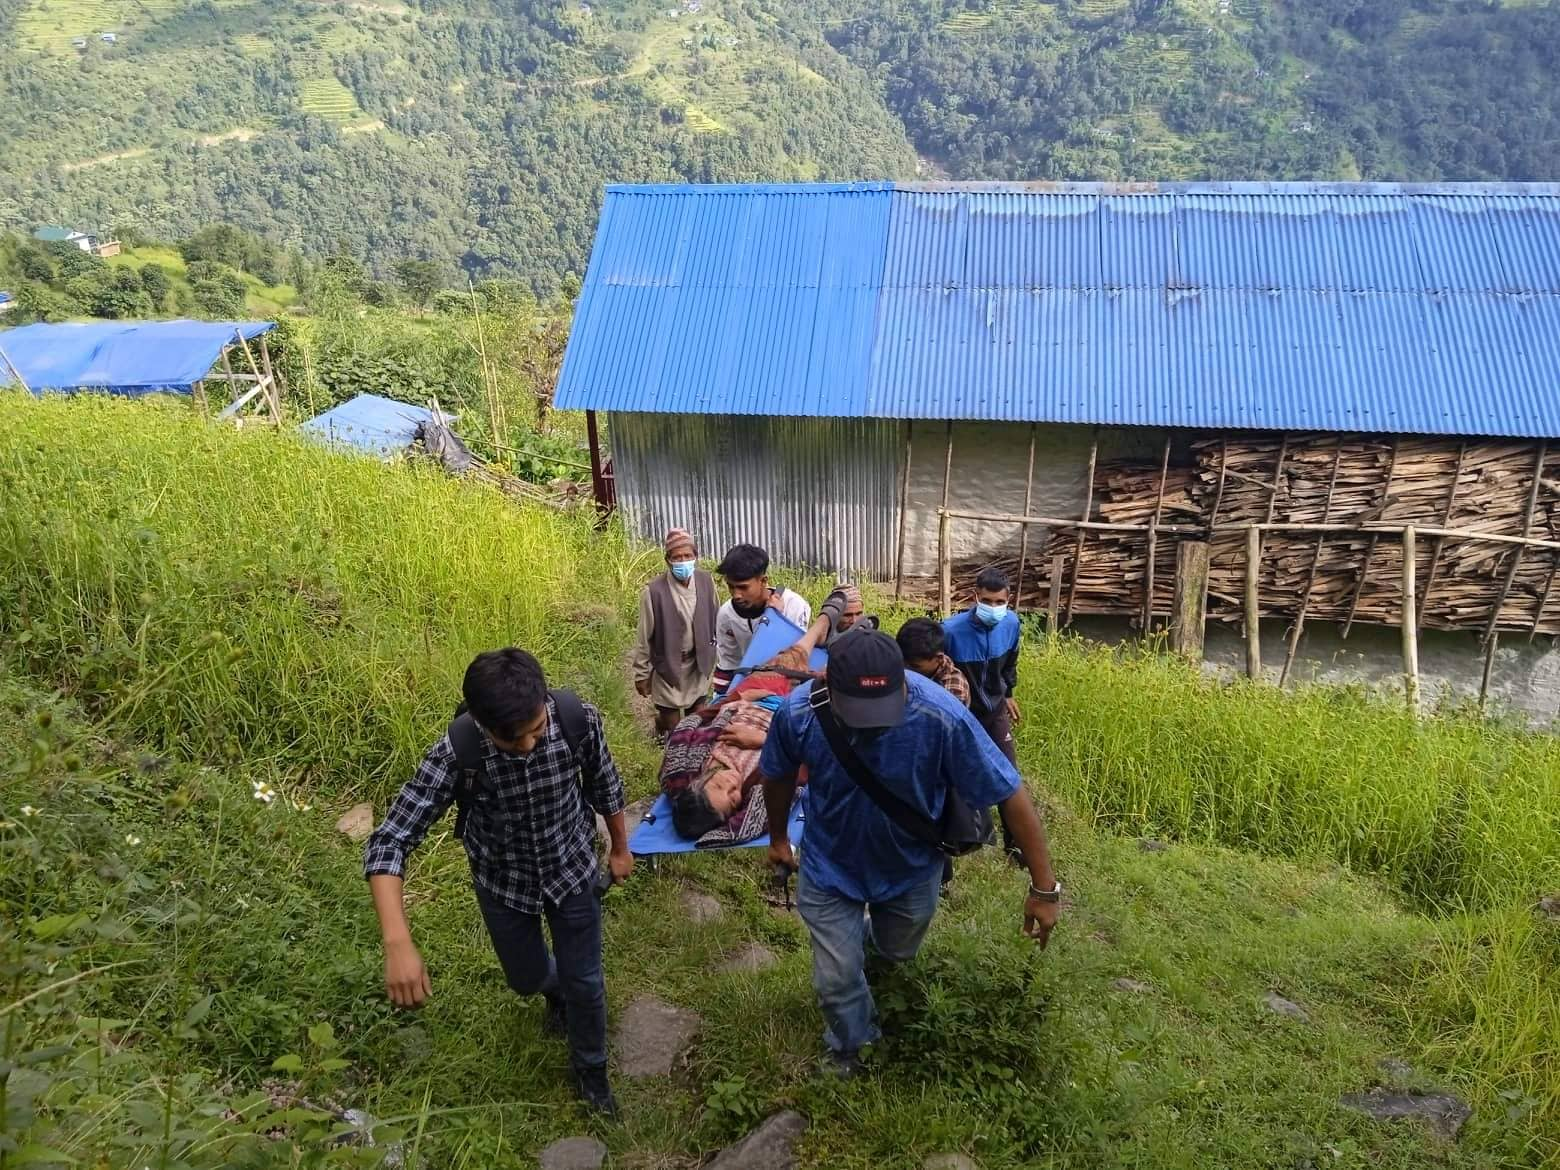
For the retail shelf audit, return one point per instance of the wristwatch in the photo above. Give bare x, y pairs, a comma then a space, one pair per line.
1052, 895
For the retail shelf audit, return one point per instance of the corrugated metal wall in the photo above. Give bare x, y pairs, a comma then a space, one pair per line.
816, 492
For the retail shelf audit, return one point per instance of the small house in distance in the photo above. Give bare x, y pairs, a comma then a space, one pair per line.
54, 234
1315, 393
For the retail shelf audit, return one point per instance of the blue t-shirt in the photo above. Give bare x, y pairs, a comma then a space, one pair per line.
852, 848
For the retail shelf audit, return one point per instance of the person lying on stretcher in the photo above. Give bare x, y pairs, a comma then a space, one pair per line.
710, 768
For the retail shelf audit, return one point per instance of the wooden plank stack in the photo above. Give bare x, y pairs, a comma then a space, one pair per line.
1318, 479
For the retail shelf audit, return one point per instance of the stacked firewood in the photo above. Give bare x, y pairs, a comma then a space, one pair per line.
1483, 485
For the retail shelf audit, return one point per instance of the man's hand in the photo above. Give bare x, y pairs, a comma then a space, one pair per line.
780, 854
1013, 712
642, 685
620, 863
773, 601
406, 979
744, 735
1040, 919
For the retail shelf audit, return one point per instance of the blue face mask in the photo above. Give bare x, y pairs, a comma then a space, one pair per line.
990, 615
682, 570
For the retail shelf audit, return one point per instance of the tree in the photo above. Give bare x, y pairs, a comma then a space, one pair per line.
420, 279
121, 296
157, 285
218, 290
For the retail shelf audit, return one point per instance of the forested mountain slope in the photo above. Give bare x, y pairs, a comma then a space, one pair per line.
1222, 89
478, 134
471, 133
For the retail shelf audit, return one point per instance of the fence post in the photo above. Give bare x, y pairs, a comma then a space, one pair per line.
1410, 621
1253, 611
1189, 614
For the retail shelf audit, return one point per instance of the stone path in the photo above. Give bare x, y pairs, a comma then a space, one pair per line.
357, 822
752, 957
769, 1147
575, 1153
651, 1036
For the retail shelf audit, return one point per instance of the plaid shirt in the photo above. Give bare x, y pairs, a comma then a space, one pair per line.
530, 837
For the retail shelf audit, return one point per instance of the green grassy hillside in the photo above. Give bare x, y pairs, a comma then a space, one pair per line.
212, 642
475, 134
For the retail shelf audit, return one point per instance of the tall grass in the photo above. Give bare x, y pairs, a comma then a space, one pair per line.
1453, 810
243, 594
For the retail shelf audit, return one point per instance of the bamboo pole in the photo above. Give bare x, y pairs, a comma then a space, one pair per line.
1370, 549
17, 374
1527, 528
1088, 507
1063, 522
1278, 475
1023, 540
904, 508
1440, 541
270, 376
1253, 608
944, 519
490, 390
201, 400
1543, 601
945, 563
1410, 622
1316, 560
1153, 540
272, 404
1053, 608
1218, 495
1489, 666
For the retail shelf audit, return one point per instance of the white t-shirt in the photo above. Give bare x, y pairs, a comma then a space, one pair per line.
734, 633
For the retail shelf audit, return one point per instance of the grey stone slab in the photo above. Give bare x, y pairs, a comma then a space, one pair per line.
651, 1036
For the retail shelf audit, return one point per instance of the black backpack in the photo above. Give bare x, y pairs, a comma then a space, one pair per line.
466, 738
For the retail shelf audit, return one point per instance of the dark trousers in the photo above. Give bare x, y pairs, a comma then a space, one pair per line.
999, 726
572, 972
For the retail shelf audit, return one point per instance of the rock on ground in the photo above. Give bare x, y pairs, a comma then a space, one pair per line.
700, 907
357, 822
651, 1036
1443, 1113
753, 957
950, 1162
575, 1153
769, 1147
1131, 986
1151, 845
1278, 1005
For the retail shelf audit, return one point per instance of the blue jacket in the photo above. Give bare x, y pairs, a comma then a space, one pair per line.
987, 657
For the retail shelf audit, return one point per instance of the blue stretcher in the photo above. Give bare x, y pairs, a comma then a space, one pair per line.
655, 833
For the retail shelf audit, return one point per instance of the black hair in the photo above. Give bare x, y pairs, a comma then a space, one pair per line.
504, 690
692, 813
920, 638
991, 579
743, 562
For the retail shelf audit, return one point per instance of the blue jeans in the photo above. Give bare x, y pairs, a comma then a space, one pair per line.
840, 937
574, 975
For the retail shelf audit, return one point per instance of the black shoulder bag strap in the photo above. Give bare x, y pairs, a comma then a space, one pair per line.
919, 826
466, 739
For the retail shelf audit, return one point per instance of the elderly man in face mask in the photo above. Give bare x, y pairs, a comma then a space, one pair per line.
674, 653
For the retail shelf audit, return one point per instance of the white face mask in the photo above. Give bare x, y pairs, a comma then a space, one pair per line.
683, 570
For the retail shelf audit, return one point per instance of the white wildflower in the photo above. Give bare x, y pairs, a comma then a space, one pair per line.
29, 811
300, 806
263, 791
132, 840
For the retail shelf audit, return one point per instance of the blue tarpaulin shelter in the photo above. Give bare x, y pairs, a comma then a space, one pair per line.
123, 357
379, 426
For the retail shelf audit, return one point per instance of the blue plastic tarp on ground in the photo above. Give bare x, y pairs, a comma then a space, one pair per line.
655, 833
379, 426
122, 357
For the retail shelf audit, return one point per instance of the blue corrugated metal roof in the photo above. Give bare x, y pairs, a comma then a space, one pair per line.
1425, 308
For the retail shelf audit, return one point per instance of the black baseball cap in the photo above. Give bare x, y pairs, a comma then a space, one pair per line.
866, 679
